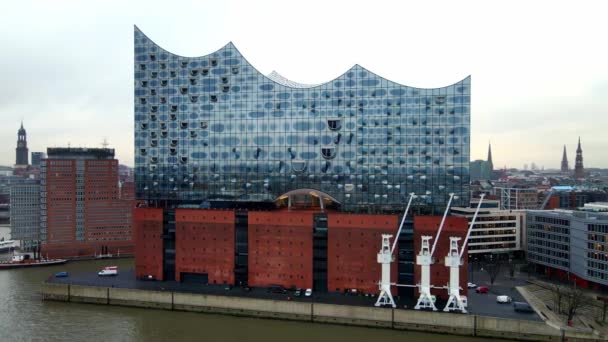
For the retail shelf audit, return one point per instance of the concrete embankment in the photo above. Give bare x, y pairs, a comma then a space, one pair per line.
467, 325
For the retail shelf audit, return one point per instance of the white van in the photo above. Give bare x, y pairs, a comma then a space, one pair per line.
108, 271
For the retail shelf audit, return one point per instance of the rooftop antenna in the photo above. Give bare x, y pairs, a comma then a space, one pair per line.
105, 143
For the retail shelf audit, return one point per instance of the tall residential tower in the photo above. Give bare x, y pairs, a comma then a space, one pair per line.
81, 212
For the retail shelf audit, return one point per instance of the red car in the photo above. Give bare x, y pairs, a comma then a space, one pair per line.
482, 289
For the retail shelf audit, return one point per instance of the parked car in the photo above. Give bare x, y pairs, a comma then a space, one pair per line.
471, 285
277, 289
308, 293
148, 277
503, 299
482, 289
298, 293
228, 287
108, 271
522, 307
61, 274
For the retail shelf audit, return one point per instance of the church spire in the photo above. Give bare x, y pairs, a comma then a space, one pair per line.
565, 167
490, 157
579, 170
21, 150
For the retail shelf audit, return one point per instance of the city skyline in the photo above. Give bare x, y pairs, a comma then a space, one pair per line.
536, 88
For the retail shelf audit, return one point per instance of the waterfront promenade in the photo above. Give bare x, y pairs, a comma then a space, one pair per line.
356, 311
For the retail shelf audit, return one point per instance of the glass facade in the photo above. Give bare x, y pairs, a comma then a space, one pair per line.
214, 128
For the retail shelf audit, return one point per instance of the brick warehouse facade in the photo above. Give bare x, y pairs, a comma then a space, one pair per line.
204, 244
301, 248
147, 234
280, 249
353, 242
81, 212
440, 275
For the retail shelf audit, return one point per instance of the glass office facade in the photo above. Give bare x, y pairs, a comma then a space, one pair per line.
214, 128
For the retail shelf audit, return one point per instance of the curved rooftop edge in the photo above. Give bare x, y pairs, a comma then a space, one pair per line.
283, 81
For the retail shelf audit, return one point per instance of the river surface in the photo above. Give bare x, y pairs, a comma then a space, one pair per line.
25, 317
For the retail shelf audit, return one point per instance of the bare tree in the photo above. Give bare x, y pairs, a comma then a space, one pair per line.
568, 299
511, 269
575, 299
530, 269
604, 310
557, 294
492, 267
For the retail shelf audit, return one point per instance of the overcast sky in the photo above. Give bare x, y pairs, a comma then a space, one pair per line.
539, 68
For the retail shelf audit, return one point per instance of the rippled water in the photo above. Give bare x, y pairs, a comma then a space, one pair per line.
24, 317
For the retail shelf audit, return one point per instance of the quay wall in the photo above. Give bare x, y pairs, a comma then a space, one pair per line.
438, 322
242, 306
88, 294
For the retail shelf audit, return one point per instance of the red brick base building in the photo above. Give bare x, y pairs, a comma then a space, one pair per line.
204, 244
290, 248
280, 248
353, 242
147, 234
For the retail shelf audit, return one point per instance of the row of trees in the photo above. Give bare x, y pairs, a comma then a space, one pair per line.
568, 297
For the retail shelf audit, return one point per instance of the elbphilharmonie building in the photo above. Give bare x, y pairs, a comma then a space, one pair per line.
214, 129
248, 178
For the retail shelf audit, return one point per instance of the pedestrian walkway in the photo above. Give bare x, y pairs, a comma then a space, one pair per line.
540, 297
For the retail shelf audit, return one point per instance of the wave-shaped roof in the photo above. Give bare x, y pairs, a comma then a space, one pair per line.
275, 76
283, 81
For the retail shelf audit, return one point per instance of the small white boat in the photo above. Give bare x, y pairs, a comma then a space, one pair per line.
8, 245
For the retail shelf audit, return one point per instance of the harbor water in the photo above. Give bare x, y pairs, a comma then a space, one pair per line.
25, 317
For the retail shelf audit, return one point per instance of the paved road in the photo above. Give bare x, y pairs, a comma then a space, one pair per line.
485, 304
479, 304
126, 279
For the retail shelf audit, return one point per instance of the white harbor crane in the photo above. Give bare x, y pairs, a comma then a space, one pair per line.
454, 260
385, 258
425, 259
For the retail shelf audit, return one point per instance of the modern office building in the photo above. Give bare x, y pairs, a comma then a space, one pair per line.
480, 170
37, 158
567, 197
260, 169
81, 213
515, 198
570, 244
25, 212
495, 230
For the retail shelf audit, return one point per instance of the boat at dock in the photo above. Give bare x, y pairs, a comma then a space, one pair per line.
8, 245
19, 261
